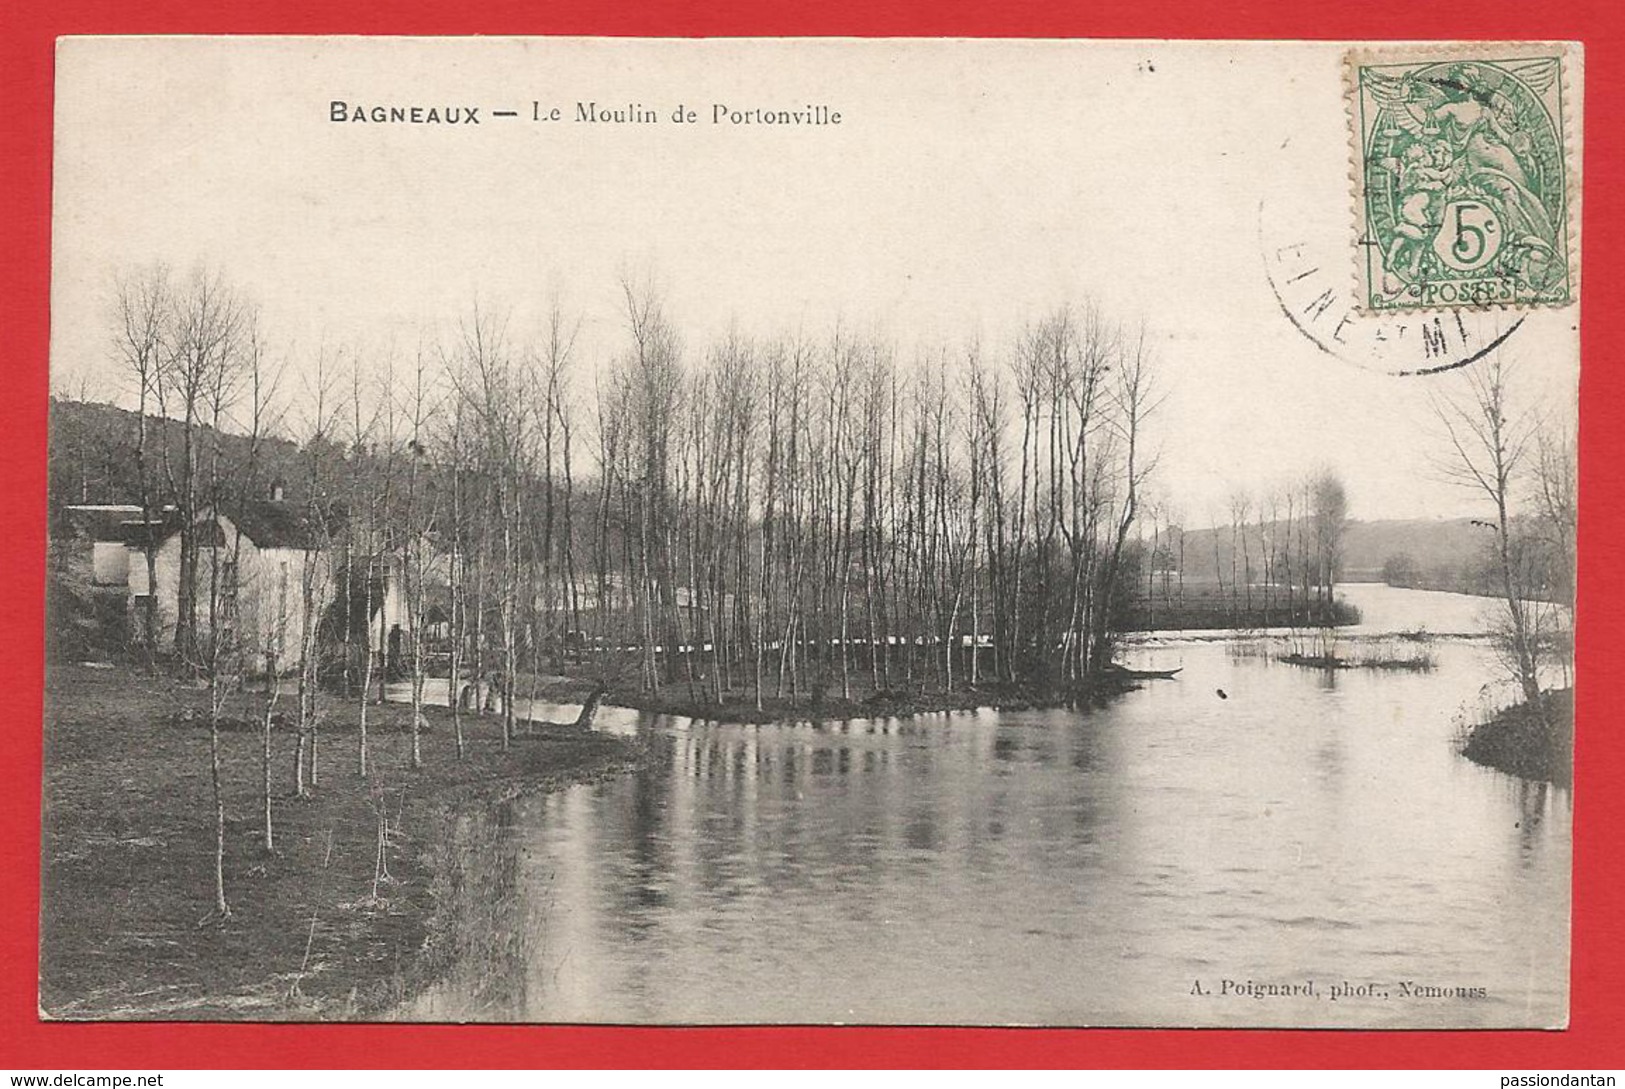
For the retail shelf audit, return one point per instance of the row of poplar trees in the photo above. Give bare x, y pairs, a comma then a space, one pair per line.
753, 518
783, 517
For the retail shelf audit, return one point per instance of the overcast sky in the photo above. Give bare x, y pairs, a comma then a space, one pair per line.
969, 188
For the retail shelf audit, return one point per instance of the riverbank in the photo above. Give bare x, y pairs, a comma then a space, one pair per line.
866, 701
1535, 742
1206, 611
128, 851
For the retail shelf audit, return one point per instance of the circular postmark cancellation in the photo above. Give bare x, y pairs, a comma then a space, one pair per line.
1463, 181
1305, 259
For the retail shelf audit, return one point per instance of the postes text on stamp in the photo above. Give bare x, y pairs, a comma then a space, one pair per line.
1462, 186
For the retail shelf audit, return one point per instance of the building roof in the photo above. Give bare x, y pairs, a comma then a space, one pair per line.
99, 521
276, 524
137, 534
265, 523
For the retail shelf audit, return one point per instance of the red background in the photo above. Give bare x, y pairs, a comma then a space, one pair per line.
27, 33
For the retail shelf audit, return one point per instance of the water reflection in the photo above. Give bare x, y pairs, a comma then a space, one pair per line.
1039, 867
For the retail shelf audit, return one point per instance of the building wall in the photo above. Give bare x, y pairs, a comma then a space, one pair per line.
390, 612
110, 563
167, 564
164, 589
271, 598
269, 591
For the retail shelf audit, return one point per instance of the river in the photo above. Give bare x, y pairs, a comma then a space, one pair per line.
1109, 867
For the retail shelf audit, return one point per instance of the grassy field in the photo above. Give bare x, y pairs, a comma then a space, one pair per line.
127, 869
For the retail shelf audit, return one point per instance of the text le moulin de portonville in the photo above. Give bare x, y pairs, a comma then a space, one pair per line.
809, 115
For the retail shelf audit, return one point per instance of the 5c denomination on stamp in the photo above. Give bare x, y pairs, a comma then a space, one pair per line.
1464, 179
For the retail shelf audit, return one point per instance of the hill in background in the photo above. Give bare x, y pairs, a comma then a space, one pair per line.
1433, 553
92, 457
92, 460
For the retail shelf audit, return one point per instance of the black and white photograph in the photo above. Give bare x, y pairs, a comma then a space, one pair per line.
811, 531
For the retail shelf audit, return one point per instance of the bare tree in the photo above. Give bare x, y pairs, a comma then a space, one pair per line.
456, 570
1489, 441
418, 520
270, 631
205, 323
1556, 530
213, 388
367, 555
316, 574
143, 301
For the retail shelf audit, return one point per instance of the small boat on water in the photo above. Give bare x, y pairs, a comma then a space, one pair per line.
1145, 674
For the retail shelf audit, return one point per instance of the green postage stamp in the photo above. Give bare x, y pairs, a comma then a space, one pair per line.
1466, 176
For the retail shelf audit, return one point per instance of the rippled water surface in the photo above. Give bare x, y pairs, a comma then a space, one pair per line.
1049, 867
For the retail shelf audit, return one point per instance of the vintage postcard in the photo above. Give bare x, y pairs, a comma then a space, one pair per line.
1069, 533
